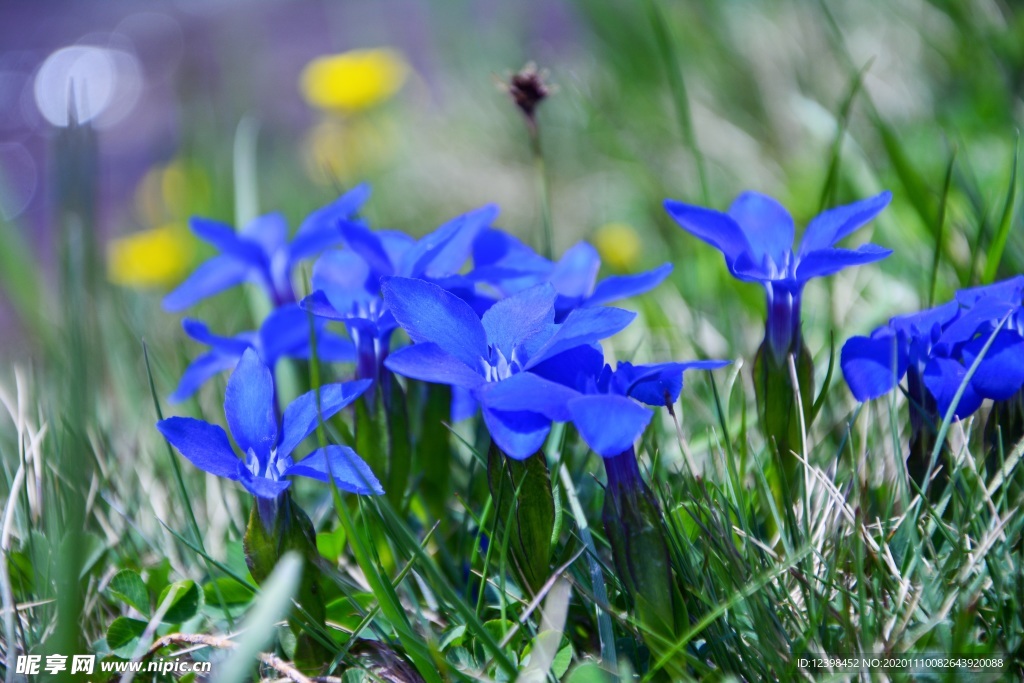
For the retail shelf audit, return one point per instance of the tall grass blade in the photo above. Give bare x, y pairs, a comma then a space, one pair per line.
995, 251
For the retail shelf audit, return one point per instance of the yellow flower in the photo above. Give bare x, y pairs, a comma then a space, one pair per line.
152, 258
353, 80
172, 193
347, 149
619, 245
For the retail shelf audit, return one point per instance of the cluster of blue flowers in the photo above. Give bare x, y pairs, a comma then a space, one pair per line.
515, 335
954, 356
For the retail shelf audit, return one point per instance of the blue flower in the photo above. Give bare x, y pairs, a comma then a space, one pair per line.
267, 462
260, 252
936, 348
347, 283
284, 334
491, 357
756, 238
504, 265
608, 412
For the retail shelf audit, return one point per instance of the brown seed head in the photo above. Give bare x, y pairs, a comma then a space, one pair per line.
528, 89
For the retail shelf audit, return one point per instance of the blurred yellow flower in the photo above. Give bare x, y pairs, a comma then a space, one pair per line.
152, 258
619, 245
348, 149
353, 80
172, 192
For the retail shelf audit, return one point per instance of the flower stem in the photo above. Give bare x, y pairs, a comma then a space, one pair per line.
543, 192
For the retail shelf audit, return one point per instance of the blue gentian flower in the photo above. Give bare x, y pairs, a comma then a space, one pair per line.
610, 412
504, 265
347, 283
284, 334
267, 461
874, 365
756, 238
492, 356
936, 348
260, 252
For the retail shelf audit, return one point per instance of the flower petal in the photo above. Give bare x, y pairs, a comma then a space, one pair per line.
943, 377
201, 369
464, 406
714, 227
576, 272
261, 487
327, 218
350, 472
979, 320
828, 261
518, 434
270, 231
199, 331
331, 348
445, 250
514, 320
224, 237
428, 362
204, 445
285, 332
364, 242
211, 277
609, 424
1008, 291
505, 263
833, 225
430, 314
572, 368
582, 327
346, 278
249, 406
657, 384
874, 365
526, 391
1000, 375
312, 243
619, 287
302, 415
317, 304
767, 226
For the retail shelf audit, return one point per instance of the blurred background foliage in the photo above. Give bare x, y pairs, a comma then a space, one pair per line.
769, 89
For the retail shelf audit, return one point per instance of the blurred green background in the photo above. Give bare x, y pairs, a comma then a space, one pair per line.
814, 102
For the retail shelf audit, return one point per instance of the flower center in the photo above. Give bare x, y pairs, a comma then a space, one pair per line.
273, 470
496, 367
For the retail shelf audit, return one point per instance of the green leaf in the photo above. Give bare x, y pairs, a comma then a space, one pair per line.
158, 577
123, 635
184, 604
588, 672
995, 252
498, 628
560, 664
128, 587
522, 493
331, 544
452, 637
399, 444
433, 451
227, 589
371, 435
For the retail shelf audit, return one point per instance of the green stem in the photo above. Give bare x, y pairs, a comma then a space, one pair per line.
543, 192
677, 85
